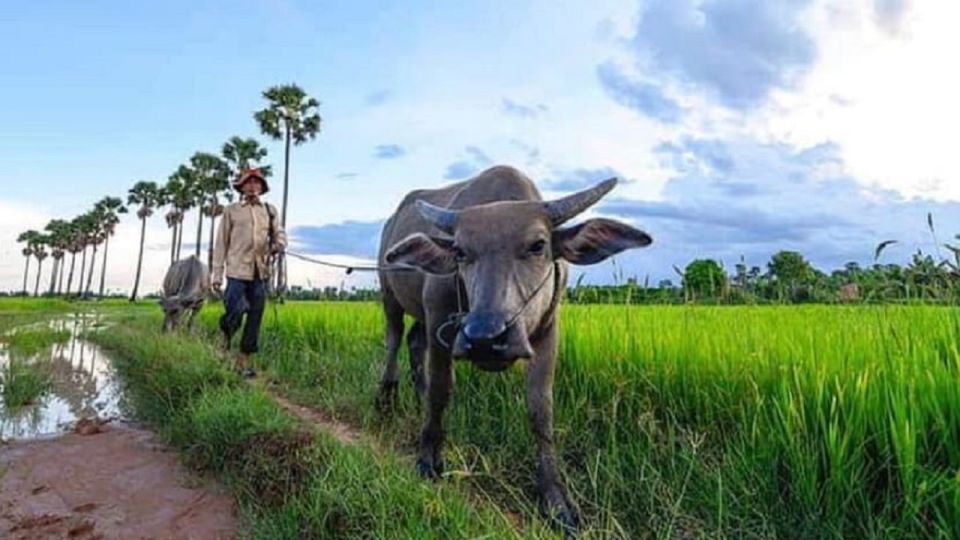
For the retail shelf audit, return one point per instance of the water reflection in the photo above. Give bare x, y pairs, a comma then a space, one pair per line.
84, 384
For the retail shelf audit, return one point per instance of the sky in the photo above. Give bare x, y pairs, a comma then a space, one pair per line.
738, 128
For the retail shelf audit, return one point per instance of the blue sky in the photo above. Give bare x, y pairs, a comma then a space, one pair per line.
739, 127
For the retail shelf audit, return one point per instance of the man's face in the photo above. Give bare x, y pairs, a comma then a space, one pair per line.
252, 187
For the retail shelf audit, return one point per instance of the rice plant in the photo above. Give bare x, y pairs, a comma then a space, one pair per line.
750, 421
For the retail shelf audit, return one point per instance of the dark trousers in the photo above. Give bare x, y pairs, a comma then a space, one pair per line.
241, 297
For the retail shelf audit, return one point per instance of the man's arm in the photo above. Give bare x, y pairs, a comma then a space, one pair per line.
220, 249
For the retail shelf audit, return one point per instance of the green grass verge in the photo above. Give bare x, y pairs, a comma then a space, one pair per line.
23, 382
33, 305
31, 341
290, 483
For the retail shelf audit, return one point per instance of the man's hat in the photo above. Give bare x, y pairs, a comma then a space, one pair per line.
248, 174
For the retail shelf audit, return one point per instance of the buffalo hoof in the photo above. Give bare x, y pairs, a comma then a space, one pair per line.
562, 513
386, 401
430, 471
568, 522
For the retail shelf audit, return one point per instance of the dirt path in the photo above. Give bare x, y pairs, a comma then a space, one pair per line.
106, 482
345, 433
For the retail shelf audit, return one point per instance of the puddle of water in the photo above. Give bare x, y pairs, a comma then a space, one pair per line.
85, 385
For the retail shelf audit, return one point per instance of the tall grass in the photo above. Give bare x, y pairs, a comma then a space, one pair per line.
24, 379
794, 422
289, 482
31, 341
23, 382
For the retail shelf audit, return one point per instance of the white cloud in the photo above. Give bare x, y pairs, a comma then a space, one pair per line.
889, 102
16, 217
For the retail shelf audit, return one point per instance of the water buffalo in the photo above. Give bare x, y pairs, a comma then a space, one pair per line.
493, 263
185, 288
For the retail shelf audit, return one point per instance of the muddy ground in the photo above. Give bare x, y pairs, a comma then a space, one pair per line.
106, 481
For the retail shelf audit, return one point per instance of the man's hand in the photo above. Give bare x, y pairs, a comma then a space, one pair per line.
216, 286
276, 249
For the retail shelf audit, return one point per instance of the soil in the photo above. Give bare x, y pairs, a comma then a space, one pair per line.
345, 433
106, 481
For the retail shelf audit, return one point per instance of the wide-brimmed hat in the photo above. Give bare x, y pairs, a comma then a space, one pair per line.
248, 174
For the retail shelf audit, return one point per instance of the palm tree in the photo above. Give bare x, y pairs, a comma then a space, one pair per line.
109, 208
94, 238
57, 235
74, 246
210, 173
28, 238
293, 116
244, 153
40, 253
165, 198
148, 195
66, 241
86, 232
181, 196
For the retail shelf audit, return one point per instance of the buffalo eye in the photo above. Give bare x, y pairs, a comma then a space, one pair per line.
459, 254
537, 247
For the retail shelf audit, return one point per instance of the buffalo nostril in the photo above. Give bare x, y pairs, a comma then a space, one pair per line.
484, 330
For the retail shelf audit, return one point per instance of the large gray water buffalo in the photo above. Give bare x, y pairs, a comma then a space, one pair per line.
185, 288
494, 267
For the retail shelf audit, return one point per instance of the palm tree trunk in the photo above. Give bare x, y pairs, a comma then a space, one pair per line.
173, 244
179, 237
73, 261
60, 277
83, 268
283, 212
136, 280
103, 266
36, 286
213, 222
93, 263
286, 177
199, 230
26, 270
53, 276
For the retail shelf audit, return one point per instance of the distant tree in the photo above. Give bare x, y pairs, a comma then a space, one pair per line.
182, 195
790, 267
704, 278
87, 227
211, 174
74, 246
791, 271
58, 234
244, 154
29, 239
109, 210
146, 195
40, 243
293, 116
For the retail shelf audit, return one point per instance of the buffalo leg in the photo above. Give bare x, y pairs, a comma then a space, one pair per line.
439, 388
393, 314
193, 315
417, 347
555, 503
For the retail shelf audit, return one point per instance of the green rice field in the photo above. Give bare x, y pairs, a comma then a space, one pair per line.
690, 421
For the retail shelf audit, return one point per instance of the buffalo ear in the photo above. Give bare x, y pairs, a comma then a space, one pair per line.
418, 250
596, 239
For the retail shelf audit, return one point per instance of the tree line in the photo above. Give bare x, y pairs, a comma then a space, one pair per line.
202, 183
789, 278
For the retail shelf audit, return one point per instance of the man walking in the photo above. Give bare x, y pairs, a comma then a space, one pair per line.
249, 234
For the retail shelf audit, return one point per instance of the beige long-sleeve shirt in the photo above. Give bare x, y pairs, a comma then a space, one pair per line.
243, 241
